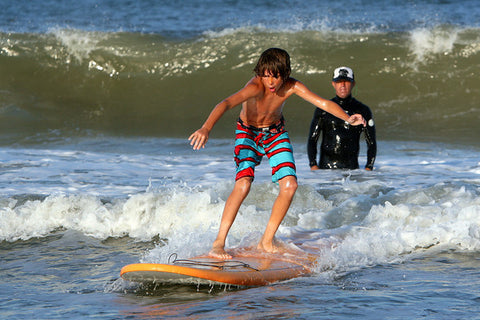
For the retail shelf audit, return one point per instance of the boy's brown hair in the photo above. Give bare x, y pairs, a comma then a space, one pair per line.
274, 60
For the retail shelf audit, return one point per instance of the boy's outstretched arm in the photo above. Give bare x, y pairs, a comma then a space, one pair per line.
199, 138
331, 107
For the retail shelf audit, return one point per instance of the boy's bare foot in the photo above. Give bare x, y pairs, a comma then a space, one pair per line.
268, 247
219, 253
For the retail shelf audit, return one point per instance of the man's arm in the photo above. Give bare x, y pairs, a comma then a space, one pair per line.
370, 138
313, 135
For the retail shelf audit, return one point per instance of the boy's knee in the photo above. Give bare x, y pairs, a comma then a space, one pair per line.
289, 185
243, 185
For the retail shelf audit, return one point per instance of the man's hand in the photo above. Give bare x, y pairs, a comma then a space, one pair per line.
199, 138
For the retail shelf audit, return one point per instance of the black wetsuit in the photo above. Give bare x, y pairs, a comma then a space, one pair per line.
341, 141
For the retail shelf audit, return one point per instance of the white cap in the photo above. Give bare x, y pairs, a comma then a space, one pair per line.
343, 73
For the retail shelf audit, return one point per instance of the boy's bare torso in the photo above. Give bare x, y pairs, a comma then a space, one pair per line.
265, 107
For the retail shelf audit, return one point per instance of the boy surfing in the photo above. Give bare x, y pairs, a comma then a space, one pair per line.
260, 131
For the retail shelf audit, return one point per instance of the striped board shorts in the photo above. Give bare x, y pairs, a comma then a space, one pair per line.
252, 143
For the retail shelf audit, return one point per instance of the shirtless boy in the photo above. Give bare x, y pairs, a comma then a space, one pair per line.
260, 131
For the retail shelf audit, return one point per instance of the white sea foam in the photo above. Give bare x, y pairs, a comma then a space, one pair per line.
425, 42
420, 197
78, 43
390, 232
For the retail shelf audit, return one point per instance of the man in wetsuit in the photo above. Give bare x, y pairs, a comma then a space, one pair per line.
340, 141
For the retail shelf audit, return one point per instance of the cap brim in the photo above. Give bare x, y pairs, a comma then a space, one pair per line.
342, 78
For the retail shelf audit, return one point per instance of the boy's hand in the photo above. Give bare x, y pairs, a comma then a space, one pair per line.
356, 120
199, 138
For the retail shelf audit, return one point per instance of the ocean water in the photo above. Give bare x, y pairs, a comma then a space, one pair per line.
97, 99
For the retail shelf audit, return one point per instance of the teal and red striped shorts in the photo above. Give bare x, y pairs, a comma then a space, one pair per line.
252, 143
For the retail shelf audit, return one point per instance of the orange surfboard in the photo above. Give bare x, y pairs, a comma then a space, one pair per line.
241, 271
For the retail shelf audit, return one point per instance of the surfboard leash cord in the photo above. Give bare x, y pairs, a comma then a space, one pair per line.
222, 265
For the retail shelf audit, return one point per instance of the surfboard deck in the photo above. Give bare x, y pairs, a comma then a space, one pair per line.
241, 271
